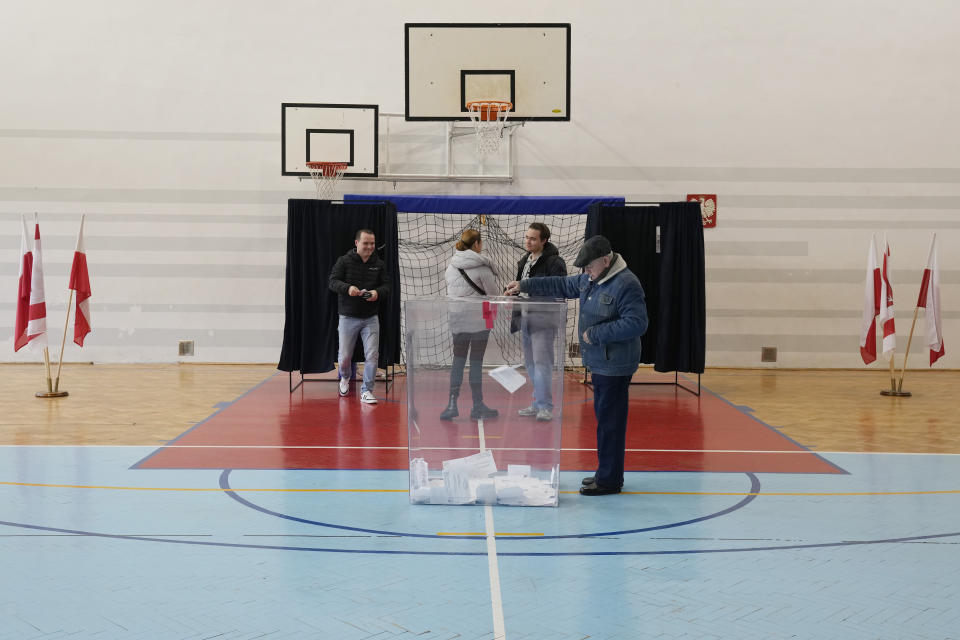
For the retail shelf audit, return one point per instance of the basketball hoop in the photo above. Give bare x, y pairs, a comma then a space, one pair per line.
326, 176
488, 117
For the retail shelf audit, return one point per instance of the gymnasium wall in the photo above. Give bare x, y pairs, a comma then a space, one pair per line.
815, 122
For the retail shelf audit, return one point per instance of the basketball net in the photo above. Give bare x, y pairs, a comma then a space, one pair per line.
488, 117
326, 176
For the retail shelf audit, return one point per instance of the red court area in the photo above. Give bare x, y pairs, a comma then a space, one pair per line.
314, 428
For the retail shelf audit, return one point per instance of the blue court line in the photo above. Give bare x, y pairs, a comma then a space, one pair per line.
236, 545
754, 491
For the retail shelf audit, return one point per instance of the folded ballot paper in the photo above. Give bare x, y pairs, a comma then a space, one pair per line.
508, 377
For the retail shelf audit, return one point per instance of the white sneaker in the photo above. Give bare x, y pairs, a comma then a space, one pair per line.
344, 386
544, 415
528, 411
368, 398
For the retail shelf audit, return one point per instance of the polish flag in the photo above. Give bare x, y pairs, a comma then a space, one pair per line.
871, 306
80, 282
930, 300
31, 308
886, 304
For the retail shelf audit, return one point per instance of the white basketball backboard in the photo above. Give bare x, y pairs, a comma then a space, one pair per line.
448, 65
329, 133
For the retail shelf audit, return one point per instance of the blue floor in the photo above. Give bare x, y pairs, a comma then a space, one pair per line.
120, 553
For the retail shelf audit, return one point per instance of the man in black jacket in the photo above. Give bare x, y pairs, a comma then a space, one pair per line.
538, 329
359, 277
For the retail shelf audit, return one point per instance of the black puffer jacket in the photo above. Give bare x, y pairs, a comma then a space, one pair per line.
550, 263
351, 270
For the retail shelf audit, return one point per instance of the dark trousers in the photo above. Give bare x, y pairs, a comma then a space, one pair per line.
611, 399
472, 345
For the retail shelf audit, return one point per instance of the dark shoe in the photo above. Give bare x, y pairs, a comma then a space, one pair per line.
598, 490
451, 411
481, 410
588, 480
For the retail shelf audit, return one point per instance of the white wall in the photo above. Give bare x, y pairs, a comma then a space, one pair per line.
815, 122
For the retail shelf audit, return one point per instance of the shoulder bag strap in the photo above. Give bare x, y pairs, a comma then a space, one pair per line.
472, 283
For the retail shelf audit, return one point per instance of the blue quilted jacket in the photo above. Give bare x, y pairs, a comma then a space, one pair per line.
613, 314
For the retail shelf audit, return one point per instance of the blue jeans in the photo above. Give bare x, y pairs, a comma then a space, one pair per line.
369, 331
611, 399
538, 359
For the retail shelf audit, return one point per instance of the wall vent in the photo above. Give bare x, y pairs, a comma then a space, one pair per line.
768, 354
185, 347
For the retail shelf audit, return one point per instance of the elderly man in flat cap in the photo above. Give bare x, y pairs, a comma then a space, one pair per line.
613, 317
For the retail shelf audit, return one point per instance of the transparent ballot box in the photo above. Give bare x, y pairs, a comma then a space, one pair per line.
485, 396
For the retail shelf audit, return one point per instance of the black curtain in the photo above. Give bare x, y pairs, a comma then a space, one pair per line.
319, 232
632, 232
663, 246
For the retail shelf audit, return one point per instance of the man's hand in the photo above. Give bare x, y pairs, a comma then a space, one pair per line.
370, 295
512, 289
353, 291
585, 337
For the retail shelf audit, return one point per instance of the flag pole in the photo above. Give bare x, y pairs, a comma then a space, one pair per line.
906, 354
893, 375
46, 362
63, 342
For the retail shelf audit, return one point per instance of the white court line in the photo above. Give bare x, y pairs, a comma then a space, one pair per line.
496, 600
404, 448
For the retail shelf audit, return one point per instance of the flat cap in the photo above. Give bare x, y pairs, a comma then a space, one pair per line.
594, 248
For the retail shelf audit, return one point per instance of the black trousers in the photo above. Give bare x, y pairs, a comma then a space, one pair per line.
470, 346
611, 399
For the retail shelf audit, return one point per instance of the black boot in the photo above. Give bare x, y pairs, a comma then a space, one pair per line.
480, 410
451, 411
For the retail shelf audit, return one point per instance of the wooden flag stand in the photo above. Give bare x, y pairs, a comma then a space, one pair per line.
51, 391
896, 388
903, 371
53, 387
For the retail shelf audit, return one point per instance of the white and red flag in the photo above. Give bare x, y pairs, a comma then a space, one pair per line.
929, 299
31, 308
80, 282
886, 304
871, 306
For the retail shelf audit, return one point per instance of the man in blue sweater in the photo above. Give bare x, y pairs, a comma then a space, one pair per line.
613, 317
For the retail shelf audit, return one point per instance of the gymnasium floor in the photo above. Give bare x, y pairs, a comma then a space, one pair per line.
191, 501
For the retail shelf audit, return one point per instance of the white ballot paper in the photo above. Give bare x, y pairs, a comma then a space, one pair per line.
508, 377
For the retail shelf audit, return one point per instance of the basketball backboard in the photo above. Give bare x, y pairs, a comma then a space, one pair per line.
448, 65
330, 133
